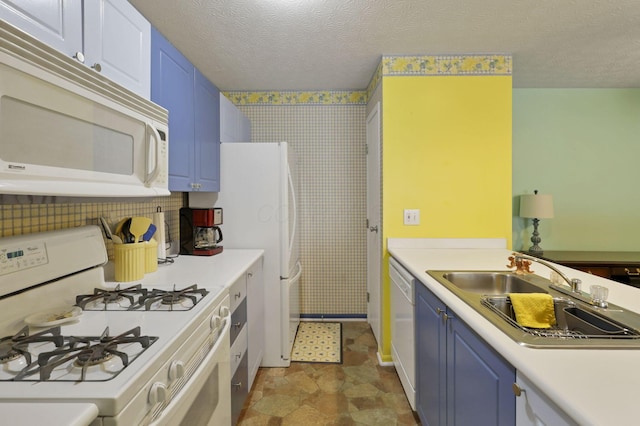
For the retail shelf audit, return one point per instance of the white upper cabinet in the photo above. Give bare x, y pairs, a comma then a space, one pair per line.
234, 125
110, 36
117, 39
57, 23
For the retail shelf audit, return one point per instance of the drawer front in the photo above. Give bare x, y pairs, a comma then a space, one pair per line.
238, 320
239, 389
237, 292
238, 350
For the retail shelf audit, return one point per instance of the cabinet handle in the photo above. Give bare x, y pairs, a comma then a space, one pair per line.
632, 274
250, 274
237, 325
97, 67
239, 355
238, 295
443, 313
517, 390
238, 385
79, 56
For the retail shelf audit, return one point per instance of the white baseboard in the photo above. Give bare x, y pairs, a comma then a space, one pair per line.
383, 363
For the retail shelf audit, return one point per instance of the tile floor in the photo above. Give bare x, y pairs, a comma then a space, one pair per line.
356, 392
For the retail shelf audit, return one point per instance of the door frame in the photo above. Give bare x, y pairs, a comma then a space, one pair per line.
374, 224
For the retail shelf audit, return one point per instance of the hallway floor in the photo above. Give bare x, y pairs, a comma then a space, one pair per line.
356, 392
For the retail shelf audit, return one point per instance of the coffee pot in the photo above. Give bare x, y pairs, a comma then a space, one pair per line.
200, 234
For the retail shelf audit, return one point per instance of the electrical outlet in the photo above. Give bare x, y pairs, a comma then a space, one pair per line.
411, 216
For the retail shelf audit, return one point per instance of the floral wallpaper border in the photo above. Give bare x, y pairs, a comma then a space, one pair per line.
319, 97
409, 65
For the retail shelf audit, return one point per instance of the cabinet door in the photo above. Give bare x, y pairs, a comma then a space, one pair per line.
227, 120
239, 390
479, 381
57, 23
172, 77
244, 127
533, 408
207, 134
118, 39
255, 304
431, 357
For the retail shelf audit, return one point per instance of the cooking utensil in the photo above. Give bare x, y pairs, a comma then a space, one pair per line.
127, 237
138, 227
107, 231
149, 234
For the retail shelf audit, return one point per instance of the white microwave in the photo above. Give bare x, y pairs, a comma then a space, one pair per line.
65, 130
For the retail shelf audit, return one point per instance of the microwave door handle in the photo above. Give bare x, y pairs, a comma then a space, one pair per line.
153, 174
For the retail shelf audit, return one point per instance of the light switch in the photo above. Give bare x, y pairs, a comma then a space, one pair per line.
411, 216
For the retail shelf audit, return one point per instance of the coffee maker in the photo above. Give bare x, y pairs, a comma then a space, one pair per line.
199, 231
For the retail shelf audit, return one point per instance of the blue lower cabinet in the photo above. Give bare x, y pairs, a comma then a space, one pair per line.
460, 379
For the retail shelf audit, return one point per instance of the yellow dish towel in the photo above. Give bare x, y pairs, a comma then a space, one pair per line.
533, 310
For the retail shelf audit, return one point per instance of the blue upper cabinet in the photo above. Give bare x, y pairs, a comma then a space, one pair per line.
194, 123
207, 133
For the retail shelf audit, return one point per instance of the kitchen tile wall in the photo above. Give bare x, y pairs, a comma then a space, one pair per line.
327, 131
27, 214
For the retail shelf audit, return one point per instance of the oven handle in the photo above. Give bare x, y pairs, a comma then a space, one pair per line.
175, 411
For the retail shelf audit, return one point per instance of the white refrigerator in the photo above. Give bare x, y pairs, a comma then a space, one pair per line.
258, 195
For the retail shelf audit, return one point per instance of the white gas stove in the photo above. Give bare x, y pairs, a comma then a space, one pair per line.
141, 355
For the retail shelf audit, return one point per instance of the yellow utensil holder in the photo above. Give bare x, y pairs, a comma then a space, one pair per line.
129, 260
150, 256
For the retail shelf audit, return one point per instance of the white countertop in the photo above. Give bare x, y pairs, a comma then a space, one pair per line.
220, 270
28, 413
593, 386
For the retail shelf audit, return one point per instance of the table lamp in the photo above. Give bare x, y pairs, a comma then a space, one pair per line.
536, 206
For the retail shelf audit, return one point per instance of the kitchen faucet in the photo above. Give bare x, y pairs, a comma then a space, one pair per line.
517, 261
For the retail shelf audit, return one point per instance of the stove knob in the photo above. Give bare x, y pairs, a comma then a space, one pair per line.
215, 322
224, 311
176, 370
158, 393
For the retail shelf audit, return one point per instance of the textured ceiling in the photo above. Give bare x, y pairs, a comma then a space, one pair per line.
336, 44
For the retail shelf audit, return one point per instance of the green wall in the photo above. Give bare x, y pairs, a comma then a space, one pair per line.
583, 147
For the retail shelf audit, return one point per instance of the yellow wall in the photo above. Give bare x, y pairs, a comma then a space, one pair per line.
447, 152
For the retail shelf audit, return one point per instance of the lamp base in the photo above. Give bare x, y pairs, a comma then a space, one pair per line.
535, 239
537, 251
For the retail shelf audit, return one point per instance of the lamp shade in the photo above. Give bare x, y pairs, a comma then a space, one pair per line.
537, 206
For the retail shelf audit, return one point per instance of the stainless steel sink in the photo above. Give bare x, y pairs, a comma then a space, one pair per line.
491, 282
579, 325
573, 321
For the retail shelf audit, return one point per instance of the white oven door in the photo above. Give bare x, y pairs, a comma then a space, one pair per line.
205, 399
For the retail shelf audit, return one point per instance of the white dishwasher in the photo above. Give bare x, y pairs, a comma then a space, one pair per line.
402, 328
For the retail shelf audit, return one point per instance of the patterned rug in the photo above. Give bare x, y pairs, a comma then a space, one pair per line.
318, 342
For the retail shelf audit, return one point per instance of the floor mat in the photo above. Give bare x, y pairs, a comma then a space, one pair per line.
318, 342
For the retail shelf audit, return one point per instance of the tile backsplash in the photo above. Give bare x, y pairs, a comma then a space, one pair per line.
28, 214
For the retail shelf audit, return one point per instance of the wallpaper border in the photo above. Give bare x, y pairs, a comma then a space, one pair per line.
389, 65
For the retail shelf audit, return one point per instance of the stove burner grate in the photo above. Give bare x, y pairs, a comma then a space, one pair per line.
85, 352
173, 297
111, 296
12, 347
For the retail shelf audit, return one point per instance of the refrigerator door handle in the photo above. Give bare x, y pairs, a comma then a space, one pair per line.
292, 237
297, 275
